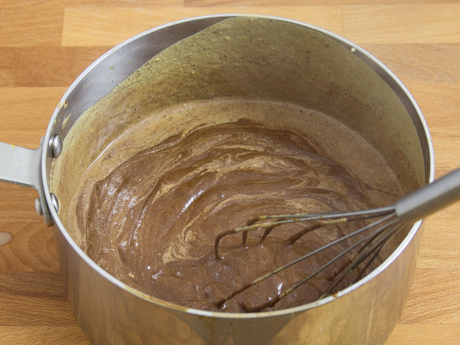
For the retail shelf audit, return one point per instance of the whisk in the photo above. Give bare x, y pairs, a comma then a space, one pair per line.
408, 209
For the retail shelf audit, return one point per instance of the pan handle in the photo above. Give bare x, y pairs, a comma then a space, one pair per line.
22, 166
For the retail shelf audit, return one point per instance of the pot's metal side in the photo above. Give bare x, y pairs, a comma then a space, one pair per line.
405, 97
109, 314
110, 69
117, 64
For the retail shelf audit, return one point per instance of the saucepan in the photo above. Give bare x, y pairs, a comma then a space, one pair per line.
266, 58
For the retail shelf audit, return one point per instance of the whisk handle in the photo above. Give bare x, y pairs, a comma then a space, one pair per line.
430, 198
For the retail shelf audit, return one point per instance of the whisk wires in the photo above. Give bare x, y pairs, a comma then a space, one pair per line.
371, 245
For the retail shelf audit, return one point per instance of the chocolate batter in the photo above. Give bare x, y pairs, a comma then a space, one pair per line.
149, 215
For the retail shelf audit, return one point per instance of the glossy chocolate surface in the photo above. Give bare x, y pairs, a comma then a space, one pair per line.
152, 220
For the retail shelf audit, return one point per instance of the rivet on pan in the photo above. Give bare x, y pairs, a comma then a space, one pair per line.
55, 202
38, 207
55, 146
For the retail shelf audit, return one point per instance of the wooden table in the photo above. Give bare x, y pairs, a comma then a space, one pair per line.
46, 44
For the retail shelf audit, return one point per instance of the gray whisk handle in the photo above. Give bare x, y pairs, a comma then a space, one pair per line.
430, 198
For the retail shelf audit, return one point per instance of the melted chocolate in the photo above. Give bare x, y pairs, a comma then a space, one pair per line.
152, 220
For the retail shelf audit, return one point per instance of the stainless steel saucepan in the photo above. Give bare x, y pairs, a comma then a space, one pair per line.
281, 60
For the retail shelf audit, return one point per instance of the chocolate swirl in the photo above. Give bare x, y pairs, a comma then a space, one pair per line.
153, 220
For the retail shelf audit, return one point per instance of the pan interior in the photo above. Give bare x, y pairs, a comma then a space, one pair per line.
257, 59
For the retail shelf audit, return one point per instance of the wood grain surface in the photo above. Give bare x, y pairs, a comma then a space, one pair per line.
46, 44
